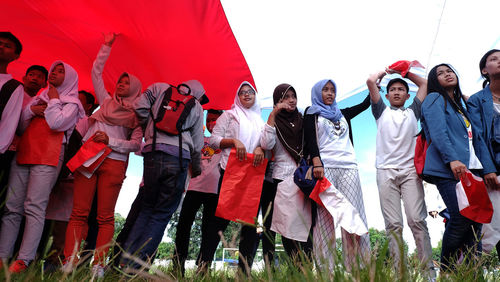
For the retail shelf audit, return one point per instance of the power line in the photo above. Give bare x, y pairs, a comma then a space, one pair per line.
435, 38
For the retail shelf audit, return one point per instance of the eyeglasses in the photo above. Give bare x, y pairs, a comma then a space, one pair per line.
249, 92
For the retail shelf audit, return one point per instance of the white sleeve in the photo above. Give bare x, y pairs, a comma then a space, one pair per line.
126, 146
10, 118
268, 137
97, 69
61, 117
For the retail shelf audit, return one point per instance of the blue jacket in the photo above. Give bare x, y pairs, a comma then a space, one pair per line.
480, 108
447, 131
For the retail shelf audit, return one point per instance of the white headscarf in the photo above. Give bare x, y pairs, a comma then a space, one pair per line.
68, 90
250, 120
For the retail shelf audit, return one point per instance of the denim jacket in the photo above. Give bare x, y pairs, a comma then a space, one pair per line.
447, 131
481, 113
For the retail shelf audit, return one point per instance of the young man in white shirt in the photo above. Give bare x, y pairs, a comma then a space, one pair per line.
11, 101
397, 179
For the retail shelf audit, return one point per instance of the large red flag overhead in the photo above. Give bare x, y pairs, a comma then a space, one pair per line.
160, 40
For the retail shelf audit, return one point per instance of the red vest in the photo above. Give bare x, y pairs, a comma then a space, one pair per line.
39, 145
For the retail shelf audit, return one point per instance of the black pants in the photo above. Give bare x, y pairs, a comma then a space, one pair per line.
249, 239
498, 249
216, 225
293, 248
192, 203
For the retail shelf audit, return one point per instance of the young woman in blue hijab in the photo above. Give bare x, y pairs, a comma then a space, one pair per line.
327, 143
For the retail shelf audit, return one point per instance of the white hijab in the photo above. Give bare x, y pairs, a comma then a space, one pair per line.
68, 90
250, 120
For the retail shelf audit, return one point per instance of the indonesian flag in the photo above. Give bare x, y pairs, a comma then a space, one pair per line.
89, 157
160, 41
403, 67
473, 200
344, 214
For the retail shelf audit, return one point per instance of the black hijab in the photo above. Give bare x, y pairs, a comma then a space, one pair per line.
288, 124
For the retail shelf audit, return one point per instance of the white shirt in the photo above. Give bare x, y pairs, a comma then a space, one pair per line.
226, 127
396, 134
10, 115
335, 147
26, 100
284, 164
496, 108
122, 140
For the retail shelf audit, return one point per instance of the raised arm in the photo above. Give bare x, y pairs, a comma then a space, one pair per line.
421, 83
372, 83
98, 67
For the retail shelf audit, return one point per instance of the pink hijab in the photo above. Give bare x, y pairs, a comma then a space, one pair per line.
119, 110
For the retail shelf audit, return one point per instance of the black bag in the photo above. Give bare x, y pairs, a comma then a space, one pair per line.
304, 178
74, 144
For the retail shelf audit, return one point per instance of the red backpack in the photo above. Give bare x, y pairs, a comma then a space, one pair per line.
420, 152
174, 109
172, 114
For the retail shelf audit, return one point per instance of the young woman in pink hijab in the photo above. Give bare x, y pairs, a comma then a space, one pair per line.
114, 124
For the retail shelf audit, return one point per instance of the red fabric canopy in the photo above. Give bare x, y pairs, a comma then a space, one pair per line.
160, 40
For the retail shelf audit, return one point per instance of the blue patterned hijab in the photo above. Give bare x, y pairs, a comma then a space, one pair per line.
331, 112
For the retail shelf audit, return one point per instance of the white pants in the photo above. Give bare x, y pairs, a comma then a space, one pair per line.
28, 194
397, 184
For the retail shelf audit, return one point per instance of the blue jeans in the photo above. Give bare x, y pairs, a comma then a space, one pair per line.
164, 182
461, 233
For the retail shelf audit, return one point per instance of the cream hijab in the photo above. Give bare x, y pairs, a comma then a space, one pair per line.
119, 110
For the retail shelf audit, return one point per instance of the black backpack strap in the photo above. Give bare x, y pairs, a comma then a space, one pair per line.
161, 111
191, 103
6, 92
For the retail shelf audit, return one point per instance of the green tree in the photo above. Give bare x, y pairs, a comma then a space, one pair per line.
194, 237
231, 240
436, 252
165, 250
378, 239
119, 222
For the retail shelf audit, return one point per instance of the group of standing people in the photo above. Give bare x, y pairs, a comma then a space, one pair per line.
461, 137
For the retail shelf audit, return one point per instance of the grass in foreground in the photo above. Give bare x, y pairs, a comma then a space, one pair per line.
377, 268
